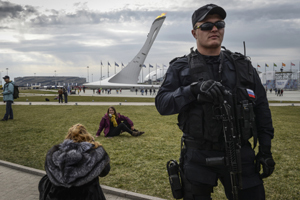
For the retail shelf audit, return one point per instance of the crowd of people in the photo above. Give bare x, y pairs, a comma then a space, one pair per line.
277, 91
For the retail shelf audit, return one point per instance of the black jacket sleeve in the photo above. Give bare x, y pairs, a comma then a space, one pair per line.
265, 130
105, 171
174, 93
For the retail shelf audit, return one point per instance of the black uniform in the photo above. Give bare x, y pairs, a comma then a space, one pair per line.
175, 96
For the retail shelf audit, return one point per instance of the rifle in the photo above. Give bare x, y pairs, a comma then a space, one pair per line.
232, 135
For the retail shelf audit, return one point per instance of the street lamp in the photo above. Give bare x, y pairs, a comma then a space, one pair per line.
152, 78
1, 77
7, 71
55, 79
87, 73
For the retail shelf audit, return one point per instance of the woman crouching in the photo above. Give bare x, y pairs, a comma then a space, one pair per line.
73, 168
114, 124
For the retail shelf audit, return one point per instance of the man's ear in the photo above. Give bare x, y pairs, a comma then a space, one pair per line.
194, 33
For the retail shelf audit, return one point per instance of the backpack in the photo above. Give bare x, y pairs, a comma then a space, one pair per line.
16, 92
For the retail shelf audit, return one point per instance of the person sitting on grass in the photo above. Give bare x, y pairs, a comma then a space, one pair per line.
114, 124
73, 167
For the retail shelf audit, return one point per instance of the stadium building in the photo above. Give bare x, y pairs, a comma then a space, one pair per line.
48, 81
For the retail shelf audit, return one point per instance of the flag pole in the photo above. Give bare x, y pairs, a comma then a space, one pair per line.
100, 71
156, 71
107, 71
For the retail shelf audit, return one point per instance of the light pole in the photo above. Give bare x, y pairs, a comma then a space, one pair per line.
92, 77
87, 74
1, 77
55, 79
7, 71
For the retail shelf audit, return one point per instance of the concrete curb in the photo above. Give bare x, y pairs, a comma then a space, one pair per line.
106, 189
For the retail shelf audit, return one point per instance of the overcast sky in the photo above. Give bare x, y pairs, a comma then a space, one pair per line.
67, 36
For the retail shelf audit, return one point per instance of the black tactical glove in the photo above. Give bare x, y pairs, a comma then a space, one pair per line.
209, 90
264, 158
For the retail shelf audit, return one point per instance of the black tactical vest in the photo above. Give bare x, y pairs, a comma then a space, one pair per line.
200, 119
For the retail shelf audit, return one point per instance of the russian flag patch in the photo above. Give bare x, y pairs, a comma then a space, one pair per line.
250, 93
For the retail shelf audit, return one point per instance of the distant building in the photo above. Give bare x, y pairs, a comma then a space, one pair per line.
42, 81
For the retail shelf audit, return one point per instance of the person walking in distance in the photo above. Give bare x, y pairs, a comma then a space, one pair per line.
8, 98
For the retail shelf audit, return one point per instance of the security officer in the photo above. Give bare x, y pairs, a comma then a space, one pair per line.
193, 86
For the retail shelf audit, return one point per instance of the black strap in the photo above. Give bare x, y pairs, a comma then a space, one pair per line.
198, 67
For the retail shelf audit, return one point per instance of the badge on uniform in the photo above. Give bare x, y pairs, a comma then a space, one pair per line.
250, 93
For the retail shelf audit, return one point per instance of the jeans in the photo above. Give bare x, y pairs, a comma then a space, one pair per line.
117, 130
60, 98
9, 111
66, 97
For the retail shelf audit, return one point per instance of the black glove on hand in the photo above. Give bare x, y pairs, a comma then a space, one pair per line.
264, 158
209, 90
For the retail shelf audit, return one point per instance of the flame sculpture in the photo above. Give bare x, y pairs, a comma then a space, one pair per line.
163, 14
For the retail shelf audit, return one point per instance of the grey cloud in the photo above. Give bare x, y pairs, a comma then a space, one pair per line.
13, 11
4, 27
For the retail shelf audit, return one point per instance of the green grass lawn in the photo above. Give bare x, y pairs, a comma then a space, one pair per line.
138, 163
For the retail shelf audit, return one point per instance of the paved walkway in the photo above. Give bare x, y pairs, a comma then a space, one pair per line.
21, 183
17, 185
125, 93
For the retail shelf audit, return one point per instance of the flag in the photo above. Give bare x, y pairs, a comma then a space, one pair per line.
292, 64
108, 64
122, 65
164, 66
250, 93
266, 65
116, 64
144, 66
258, 65
150, 66
283, 64
157, 66
275, 65
101, 63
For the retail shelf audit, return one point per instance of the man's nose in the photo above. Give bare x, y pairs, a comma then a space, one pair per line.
214, 29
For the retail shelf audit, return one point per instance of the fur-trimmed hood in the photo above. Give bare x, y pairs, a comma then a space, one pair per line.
74, 164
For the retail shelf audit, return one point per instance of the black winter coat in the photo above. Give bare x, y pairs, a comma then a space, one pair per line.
72, 172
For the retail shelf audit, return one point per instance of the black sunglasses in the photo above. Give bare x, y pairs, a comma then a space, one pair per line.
207, 26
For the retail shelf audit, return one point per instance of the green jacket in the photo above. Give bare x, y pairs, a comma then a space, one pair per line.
8, 91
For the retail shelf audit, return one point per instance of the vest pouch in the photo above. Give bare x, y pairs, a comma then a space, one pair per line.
246, 116
195, 122
212, 123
